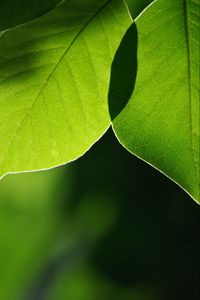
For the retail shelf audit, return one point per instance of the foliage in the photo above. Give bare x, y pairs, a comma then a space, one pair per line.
55, 78
16, 12
160, 122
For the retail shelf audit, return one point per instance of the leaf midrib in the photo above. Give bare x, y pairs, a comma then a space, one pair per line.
187, 33
69, 47
52, 72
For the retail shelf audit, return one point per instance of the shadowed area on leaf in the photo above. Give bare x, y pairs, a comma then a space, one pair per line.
123, 72
16, 12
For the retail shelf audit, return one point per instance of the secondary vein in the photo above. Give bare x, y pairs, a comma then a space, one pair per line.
54, 69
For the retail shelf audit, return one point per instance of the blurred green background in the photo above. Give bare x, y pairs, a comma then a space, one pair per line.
105, 227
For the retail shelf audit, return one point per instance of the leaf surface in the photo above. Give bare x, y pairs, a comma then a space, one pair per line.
16, 12
54, 80
136, 6
159, 122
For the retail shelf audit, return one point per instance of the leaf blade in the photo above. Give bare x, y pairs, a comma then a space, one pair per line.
158, 124
53, 84
17, 12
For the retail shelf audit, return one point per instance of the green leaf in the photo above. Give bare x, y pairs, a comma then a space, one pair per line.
54, 80
160, 122
16, 12
136, 6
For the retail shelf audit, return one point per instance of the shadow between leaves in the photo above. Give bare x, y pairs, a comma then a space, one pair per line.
123, 72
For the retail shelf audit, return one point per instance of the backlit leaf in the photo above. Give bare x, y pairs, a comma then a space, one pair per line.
54, 79
160, 122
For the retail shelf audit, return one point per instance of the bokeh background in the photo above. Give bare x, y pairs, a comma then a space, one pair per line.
105, 227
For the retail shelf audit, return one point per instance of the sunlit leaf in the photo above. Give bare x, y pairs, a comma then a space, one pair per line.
160, 122
54, 79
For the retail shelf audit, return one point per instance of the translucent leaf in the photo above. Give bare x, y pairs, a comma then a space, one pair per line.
158, 103
54, 80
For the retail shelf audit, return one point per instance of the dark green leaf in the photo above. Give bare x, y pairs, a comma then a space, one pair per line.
16, 12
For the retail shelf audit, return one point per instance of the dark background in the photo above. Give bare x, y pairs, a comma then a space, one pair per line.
105, 227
